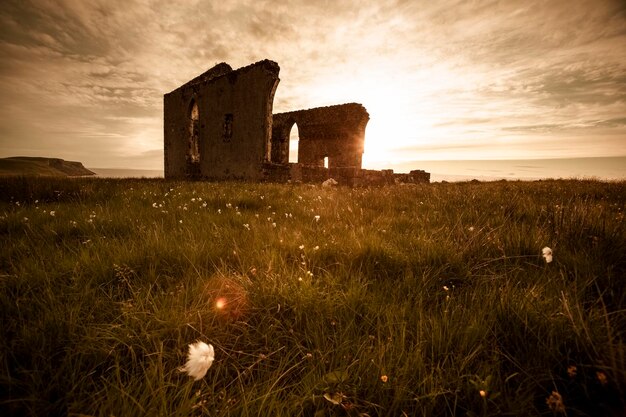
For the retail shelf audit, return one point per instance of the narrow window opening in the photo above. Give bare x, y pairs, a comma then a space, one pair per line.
194, 134
227, 131
294, 139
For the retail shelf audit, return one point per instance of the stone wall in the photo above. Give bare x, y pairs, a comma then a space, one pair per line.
336, 132
217, 126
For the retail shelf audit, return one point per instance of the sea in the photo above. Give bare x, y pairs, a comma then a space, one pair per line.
604, 169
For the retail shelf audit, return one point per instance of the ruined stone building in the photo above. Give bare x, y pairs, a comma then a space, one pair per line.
220, 126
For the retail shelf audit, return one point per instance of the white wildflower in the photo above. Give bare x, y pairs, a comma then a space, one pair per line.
547, 254
53, 213
317, 218
246, 225
199, 360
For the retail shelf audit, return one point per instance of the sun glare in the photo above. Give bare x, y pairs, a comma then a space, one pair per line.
392, 127
220, 303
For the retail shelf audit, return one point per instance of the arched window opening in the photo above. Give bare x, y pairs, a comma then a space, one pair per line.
325, 162
294, 139
194, 149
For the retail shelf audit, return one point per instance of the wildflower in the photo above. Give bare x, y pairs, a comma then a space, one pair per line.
384, 378
53, 213
547, 254
555, 402
483, 393
273, 224
180, 221
199, 360
317, 218
316, 248
301, 247
247, 226
228, 205
25, 219
571, 371
154, 205
471, 228
602, 379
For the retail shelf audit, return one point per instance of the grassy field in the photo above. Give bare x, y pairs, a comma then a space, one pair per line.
416, 300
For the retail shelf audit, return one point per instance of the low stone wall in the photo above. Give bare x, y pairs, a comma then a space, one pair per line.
413, 177
353, 177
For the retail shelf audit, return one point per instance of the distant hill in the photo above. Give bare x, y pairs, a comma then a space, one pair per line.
41, 167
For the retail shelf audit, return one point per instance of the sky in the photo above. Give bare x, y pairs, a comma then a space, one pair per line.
441, 80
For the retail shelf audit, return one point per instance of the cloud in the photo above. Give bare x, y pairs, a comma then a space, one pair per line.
453, 77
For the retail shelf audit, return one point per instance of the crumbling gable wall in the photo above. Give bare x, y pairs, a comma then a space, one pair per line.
218, 125
336, 132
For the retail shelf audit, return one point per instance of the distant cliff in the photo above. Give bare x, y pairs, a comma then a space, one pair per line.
45, 167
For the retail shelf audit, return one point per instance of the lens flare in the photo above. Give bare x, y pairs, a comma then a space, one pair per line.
220, 303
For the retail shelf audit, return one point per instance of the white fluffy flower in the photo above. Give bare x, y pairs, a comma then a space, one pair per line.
547, 254
199, 360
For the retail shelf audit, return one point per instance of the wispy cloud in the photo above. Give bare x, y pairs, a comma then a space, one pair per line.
446, 79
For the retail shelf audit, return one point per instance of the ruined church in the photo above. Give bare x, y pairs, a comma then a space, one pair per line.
220, 126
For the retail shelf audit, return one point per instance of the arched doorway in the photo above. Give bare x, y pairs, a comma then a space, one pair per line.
294, 139
193, 151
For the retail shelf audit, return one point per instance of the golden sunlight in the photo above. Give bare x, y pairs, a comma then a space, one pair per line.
394, 126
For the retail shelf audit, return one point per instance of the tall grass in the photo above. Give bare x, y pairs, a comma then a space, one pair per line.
404, 300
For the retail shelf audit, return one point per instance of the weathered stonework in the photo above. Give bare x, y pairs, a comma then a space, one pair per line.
336, 132
217, 126
220, 126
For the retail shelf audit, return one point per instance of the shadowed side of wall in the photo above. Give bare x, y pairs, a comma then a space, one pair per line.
217, 126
